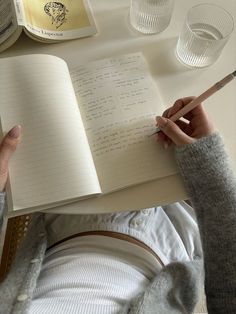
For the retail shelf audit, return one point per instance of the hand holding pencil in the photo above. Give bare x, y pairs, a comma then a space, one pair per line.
181, 132
171, 129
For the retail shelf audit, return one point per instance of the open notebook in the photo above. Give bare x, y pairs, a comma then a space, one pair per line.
85, 132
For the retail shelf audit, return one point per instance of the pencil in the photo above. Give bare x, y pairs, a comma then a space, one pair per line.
195, 102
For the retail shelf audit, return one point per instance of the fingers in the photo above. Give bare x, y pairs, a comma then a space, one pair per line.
173, 131
197, 112
180, 132
7, 148
179, 104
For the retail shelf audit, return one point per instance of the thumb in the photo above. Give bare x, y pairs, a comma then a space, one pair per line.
173, 131
7, 148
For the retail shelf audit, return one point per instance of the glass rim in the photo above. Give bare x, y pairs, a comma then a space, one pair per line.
211, 5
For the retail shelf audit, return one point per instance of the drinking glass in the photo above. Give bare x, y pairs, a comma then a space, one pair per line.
150, 16
205, 32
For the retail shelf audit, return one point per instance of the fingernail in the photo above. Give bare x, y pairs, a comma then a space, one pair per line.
161, 122
15, 131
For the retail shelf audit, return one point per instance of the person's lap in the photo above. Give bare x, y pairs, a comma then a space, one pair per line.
171, 231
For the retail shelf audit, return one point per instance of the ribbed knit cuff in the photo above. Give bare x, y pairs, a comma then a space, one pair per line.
204, 149
206, 170
202, 161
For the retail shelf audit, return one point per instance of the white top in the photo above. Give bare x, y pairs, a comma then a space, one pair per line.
99, 274
92, 274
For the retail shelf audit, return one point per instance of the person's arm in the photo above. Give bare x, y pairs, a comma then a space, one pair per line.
212, 188
7, 147
210, 182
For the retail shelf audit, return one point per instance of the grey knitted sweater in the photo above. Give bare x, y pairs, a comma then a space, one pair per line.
210, 183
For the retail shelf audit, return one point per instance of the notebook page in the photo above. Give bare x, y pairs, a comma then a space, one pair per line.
53, 162
118, 102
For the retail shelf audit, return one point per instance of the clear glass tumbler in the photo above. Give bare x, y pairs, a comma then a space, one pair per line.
205, 32
150, 16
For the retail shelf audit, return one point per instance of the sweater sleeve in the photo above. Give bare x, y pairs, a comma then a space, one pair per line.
210, 183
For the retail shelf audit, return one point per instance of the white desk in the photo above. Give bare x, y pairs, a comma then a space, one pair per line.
174, 80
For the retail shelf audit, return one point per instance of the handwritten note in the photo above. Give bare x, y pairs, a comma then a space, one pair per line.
118, 101
120, 135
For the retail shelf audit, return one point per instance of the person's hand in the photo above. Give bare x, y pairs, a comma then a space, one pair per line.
180, 132
7, 147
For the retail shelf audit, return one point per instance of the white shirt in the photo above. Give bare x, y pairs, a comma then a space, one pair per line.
92, 274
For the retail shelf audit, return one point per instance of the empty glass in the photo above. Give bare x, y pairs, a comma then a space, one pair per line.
150, 16
205, 32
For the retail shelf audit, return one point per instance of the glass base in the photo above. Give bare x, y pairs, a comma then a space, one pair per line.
148, 24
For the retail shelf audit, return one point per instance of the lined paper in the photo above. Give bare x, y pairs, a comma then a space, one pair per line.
53, 162
118, 102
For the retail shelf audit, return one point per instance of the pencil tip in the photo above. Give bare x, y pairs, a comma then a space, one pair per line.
234, 73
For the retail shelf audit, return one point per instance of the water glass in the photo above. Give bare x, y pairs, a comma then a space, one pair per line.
150, 16
205, 32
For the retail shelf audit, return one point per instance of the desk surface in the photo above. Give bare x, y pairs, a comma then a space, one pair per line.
174, 80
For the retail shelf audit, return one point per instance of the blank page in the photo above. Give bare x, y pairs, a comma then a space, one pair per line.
119, 101
53, 163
